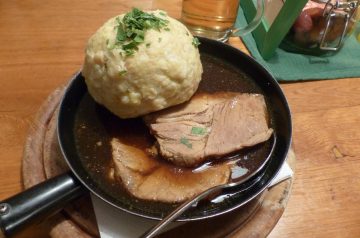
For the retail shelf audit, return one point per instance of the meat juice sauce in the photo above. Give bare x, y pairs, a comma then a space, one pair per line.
95, 127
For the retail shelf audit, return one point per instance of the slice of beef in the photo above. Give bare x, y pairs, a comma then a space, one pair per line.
145, 178
209, 126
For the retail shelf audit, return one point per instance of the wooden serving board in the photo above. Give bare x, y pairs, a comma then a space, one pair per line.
42, 159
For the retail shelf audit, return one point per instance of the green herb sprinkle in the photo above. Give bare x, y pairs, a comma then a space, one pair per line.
196, 42
198, 130
130, 31
185, 141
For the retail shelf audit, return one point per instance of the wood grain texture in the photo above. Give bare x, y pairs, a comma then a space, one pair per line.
326, 195
41, 46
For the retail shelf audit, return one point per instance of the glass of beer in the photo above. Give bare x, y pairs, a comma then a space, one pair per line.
215, 19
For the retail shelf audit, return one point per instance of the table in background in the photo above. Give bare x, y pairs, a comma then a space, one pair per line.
42, 45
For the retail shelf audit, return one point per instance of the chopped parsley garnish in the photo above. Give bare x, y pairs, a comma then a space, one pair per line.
185, 141
159, 39
148, 44
196, 42
131, 29
122, 72
198, 130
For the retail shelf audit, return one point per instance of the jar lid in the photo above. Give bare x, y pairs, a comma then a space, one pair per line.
320, 1
325, 1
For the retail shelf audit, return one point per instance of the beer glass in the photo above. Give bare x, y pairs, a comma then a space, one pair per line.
215, 19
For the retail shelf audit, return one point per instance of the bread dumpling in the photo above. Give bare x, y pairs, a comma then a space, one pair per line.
133, 76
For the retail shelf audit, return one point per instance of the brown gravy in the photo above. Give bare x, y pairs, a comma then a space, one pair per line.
95, 126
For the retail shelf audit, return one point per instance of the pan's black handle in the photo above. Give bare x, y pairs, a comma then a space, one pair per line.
37, 203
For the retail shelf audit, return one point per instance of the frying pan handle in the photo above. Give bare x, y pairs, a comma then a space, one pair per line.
38, 202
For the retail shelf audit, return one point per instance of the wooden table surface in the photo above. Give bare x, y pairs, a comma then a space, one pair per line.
42, 45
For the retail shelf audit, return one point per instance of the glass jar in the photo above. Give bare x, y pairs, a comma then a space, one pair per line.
322, 27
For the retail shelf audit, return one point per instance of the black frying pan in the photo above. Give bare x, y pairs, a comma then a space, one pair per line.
224, 68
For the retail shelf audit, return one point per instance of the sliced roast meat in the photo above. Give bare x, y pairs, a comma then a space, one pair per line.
146, 178
209, 126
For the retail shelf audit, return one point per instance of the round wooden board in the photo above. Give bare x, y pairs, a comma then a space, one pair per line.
42, 160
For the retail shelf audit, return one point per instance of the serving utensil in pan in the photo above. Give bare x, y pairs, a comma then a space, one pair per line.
43, 200
232, 183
